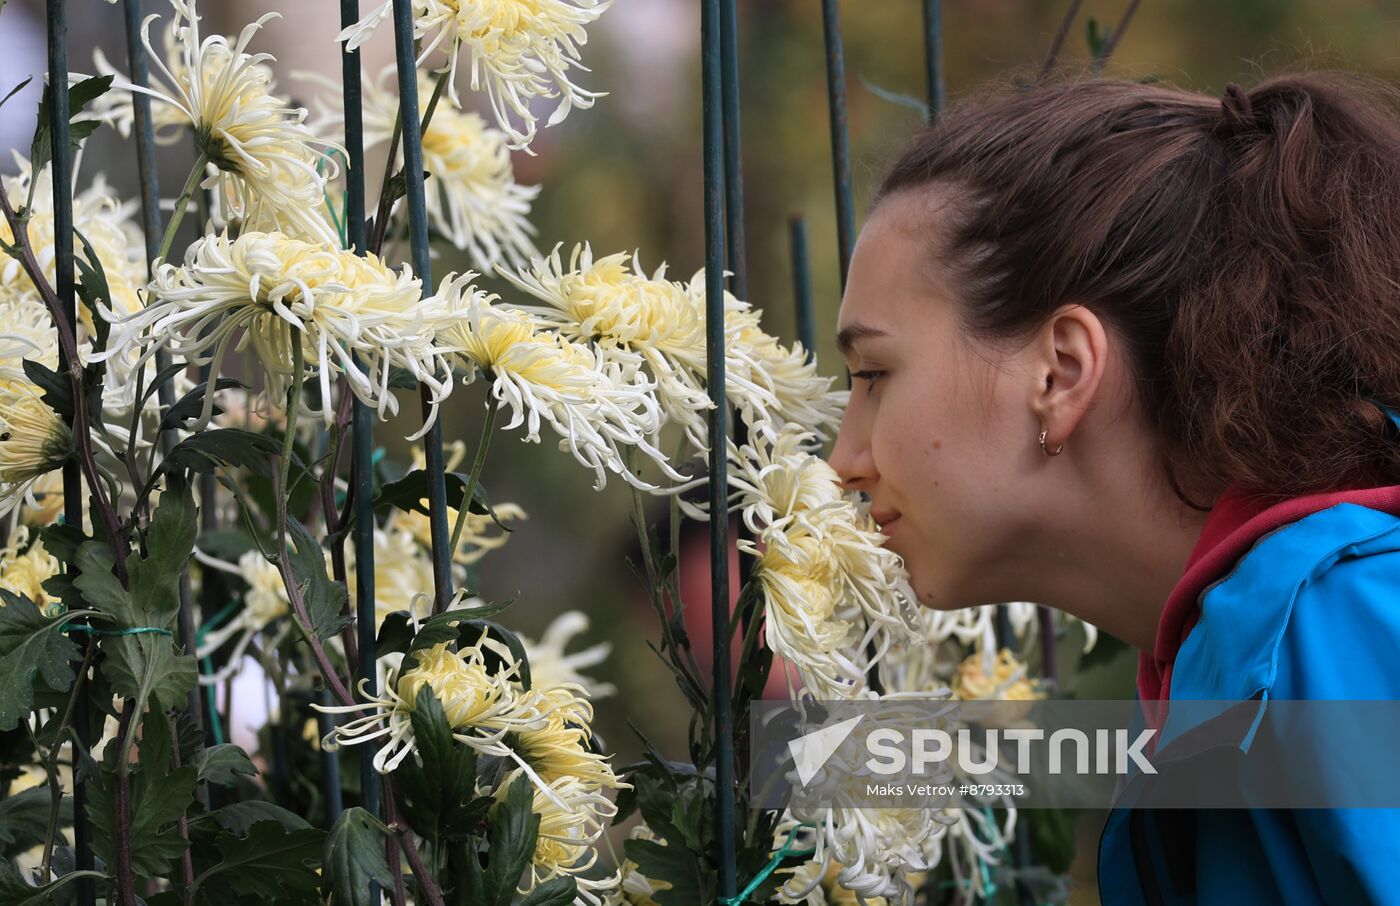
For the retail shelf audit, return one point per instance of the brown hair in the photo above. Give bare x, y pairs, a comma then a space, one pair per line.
1246, 250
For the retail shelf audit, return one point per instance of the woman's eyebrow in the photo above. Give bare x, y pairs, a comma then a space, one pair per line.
847, 336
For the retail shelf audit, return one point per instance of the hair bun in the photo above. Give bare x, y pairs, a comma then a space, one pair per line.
1236, 112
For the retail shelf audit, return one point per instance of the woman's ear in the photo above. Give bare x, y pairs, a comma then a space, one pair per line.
1069, 359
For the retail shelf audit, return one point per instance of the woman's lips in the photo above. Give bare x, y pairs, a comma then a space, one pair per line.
886, 521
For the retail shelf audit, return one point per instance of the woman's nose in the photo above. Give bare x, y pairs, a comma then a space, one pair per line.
850, 458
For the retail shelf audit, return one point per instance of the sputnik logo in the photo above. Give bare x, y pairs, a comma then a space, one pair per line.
811, 751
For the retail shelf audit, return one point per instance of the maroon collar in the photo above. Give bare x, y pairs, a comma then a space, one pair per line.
1235, 522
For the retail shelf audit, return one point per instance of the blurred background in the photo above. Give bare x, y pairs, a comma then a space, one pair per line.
627, 175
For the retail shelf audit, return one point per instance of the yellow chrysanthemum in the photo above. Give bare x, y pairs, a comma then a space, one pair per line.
482, 705
517, 50
1001, 678
24, 566
358, 318
635, 317
597, 407
99, 217
573, 815
33, 442
821, 564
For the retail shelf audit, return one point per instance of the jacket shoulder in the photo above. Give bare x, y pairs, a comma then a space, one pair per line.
1304, 594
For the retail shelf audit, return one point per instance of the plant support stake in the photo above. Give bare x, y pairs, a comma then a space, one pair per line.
418, 240
712, 95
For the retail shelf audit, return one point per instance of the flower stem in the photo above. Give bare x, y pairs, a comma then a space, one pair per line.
420, 872
180, 204
481, 447
294, 591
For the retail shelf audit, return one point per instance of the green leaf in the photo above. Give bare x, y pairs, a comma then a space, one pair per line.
439, 795
410, 492
445, 626
470, 631
145, 664
354, 858
157, 801
15, 891
57, 389
24, 819
92, 288
208, 451
191, 404
30, 646
324, 599
270, 862
18, 88
673, 864
558, 892
221, 764
239, 817
514, 828
79, 96
894, 97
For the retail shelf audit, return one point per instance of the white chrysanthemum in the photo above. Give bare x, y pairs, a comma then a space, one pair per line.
471, 193
268, 163
99, 217
598, 407
875, 850
264, 603
403, 575
633, 316
482, 705
516, 49
831, 589
357, 317
550, 666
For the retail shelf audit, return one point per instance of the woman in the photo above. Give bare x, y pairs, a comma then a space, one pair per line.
1134, 352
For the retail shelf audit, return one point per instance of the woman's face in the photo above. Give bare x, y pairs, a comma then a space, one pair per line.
939, 431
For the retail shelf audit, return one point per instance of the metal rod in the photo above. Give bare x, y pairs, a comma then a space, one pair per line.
330, 763
802, 286
62, 173
362, 419
139, 69
840, 143
418, 240
1106, 51
1059, 40
733, 162
933, 58
713, 89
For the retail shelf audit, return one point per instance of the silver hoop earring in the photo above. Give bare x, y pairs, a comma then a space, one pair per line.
1054, 452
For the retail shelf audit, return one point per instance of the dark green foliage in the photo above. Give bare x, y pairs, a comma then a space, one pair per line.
354, 858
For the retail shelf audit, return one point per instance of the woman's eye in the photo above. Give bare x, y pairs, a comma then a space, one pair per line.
871, 376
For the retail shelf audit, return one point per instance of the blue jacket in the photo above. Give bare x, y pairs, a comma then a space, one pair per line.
1311, 611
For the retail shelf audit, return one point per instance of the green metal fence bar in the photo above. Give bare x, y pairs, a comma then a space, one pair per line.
710, 56
840, 144
144, 130
933, 58
734, 247
418, 240
62, 172
362, 419
802, 285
